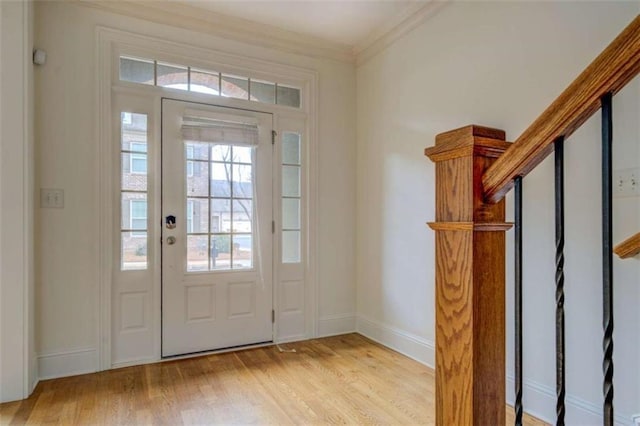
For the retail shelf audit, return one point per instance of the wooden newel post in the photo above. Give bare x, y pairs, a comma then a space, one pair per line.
470, 280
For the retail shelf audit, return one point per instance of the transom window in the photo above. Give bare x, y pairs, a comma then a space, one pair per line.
181, 77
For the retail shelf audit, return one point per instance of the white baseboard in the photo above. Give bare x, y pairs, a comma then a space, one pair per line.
291, 339
540, 402
67, 363
636, 419
333, 325
408, 344
133, 362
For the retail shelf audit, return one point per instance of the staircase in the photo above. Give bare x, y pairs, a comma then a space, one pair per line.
475, 168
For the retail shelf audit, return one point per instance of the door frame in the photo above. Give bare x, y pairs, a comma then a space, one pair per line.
110, 44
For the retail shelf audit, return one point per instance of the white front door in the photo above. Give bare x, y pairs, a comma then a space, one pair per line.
216, 227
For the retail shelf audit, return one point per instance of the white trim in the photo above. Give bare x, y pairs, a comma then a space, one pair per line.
16, 268
28, 190
312, 275
2, 380
191, 18
636, 419
540, 402
2, 397
135, 361
142, 361
415, 347
291, 339
111, 43
104, 202
129, 43
333, 325
182, 15
395, 28
67, 363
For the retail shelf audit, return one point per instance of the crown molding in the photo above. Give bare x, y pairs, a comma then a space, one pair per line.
195, 19
185, 16
396, 27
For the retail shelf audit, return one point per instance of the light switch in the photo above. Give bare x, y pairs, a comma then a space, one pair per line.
51, 198
626, 183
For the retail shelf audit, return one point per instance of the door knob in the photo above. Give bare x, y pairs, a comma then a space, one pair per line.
170, 221
171, 240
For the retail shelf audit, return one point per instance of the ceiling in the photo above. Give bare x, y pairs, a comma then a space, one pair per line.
347, 22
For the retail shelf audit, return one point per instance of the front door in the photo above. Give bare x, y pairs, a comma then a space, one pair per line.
216, 227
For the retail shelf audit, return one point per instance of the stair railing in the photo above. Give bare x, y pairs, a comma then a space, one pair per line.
475, 169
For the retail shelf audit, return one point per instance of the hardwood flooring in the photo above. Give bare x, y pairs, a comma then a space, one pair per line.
344, 379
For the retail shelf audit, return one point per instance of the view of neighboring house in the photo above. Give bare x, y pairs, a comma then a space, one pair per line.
214, 225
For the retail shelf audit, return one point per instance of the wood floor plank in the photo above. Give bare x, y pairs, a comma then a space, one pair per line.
336, 380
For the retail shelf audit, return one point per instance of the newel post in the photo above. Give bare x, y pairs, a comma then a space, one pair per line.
470, 280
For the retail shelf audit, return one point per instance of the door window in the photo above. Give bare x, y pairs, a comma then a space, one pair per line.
220, 208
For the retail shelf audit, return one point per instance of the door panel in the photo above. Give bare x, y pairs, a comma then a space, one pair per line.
217, 254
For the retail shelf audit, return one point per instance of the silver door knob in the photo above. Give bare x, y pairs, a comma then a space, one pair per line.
171, 240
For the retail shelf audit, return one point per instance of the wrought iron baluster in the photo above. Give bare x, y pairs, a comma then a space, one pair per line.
607, 258
560, 341
518, 299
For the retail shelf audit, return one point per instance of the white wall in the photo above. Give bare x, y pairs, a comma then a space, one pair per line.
67, 158
498, 64
17, 376
495, 64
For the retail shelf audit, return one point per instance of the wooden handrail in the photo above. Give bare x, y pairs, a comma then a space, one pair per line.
629, 247
609, 72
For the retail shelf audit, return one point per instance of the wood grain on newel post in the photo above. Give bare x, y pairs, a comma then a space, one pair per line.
470, 280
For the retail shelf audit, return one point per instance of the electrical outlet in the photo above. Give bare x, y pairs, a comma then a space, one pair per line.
51, 198
626, 183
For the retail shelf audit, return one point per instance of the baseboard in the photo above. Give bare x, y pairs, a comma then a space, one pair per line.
540, 402
291, 339
133, 362
408, 344
67, 363
333, 325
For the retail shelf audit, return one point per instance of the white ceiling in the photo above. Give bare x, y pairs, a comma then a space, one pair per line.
347, 22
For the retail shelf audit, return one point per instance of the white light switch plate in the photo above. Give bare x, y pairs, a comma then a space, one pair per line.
51, 198
626, 183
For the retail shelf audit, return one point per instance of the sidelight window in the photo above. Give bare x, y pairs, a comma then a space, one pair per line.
133, 191
291, 197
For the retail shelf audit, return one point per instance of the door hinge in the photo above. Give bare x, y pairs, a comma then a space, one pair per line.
273, 137
273, 226
273, 316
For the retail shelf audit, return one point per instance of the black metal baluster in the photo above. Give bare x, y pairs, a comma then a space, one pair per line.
560, 343
518, 299
607, 258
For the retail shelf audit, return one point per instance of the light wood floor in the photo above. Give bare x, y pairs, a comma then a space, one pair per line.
345, 379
